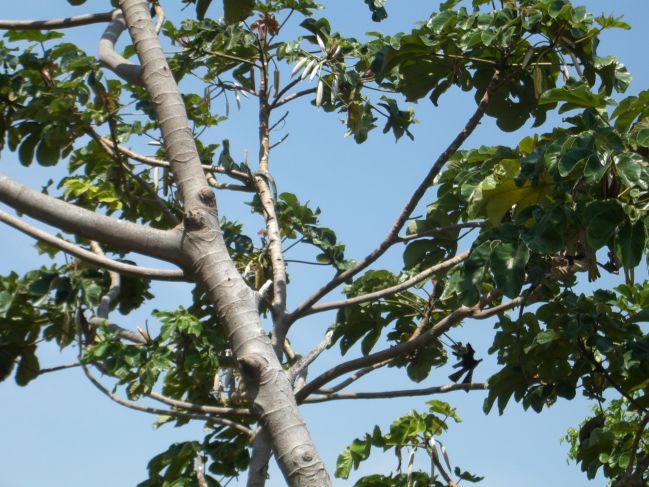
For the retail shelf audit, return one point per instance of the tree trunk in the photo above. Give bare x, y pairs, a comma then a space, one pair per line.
269, 391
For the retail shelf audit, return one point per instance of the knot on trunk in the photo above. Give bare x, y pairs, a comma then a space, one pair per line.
252, 366
194, 220
206, 195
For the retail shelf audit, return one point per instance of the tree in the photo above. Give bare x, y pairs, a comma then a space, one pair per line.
558, 205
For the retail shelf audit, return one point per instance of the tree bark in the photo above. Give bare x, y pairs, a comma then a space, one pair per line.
269, 391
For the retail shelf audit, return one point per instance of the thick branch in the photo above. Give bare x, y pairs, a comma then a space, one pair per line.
401, 393
261, 453
382, 293
125, 69
113, 291
124, 235
393, 235
65, 23
99, 260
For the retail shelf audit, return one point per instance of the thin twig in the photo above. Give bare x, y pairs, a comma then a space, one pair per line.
152, 161
163, 412
293, 96
435, 231
57, 368
100, 261
199, 408
382, 293
353, 378
392, 394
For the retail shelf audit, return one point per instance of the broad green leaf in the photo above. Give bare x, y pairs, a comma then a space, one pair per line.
237, 10
577, 95
602, 219
630, 243
508, 267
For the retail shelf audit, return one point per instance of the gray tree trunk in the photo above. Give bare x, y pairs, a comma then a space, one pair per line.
269, 391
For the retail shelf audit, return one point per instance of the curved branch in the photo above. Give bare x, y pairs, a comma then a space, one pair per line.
161, 244
107, 299
164, 412
389, 290
401, 393
386, 354
65, 23
88, 256
125, 69
412, 345
393, 235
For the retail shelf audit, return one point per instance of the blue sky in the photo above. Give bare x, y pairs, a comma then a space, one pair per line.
61, 432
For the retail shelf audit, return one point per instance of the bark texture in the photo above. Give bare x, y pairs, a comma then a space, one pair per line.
269, 391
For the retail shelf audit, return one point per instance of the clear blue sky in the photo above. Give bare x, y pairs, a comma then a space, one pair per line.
61, 432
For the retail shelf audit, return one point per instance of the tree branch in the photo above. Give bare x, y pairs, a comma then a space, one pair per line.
199, 408
165, 245
64, 23
435, 231
152, 161
278, 304
125, 69
86, 255
120, 331
393, 235
301, 365
293, 96
261, 453
163, 412
382, 293
58, 367
107, 299
401, 393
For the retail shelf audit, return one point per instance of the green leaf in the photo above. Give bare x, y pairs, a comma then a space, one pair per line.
576, 95
47, 155
201, 8
630, 243
602, 219
508, 267
629, 168
6, 299
237, 10
26, 151
28, 368
378, 10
